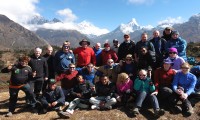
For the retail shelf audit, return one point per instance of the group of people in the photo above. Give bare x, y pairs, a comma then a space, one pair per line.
127, 74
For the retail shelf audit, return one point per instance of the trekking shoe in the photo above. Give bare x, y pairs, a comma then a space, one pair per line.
136, 111
64, 114
189, 111
9, 114
95, 107
176, 110
109, 107
159, 112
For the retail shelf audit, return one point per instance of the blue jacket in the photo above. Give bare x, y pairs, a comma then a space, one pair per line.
86, 75
180, 44
62, 60
98, 56
187, 81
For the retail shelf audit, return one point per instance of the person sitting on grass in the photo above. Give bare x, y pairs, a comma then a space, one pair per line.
82, 93
105, 91
20, 74
183, 86
124, 89
52, 99
145, 89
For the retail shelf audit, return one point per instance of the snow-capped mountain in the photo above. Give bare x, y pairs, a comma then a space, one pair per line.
39, 20
129, 28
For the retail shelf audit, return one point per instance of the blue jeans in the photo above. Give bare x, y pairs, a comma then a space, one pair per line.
14, 94
141, 96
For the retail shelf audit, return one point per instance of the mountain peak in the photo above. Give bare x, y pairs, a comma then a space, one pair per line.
130, 26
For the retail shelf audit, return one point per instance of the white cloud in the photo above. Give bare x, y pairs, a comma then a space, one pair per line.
18, 10
21, 11
67, 14
141, 1
171, 21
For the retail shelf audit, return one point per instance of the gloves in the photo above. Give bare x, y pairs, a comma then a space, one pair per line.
128, 91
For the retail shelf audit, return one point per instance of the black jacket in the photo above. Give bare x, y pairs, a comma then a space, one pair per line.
105, 90
39, 65
19, 74
50, 63
84, 89
125, 49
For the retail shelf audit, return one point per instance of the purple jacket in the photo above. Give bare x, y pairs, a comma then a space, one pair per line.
177, 62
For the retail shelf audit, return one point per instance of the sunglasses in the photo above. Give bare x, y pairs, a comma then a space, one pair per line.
66, 47
128, 59
185, 68
142, 75
172, 52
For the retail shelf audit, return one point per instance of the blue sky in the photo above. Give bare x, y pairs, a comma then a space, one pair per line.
102, 15
111, 13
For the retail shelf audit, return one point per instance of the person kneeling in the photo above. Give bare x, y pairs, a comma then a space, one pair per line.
105, 91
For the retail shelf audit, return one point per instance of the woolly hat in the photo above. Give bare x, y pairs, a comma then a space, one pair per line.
106, 45
173, 50
175, 32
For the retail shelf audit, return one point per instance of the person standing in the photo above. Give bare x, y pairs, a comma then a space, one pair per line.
107, 53
40, 68
125, 48
115, 46
159, 45
98, 50
20, 74
63, 58
49, 56
85, 54
178, 43
167, 33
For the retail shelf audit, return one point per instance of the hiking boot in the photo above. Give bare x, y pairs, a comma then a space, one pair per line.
64, 114
189, 111
95, 107
159, 112
9, 114
136, 111
176, 110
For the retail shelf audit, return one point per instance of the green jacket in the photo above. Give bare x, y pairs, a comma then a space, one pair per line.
144, 85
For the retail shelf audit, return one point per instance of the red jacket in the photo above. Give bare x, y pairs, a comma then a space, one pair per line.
111, 54
68, 80
163, 78
85, 56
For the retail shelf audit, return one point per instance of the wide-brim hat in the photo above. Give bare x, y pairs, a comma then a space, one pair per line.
84, 40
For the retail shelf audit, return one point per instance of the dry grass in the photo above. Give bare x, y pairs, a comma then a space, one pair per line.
22, 113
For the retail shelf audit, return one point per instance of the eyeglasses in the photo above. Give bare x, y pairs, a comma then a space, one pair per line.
172, 52
71, 67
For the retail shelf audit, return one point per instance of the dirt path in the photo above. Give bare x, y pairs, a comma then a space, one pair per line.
22, 113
